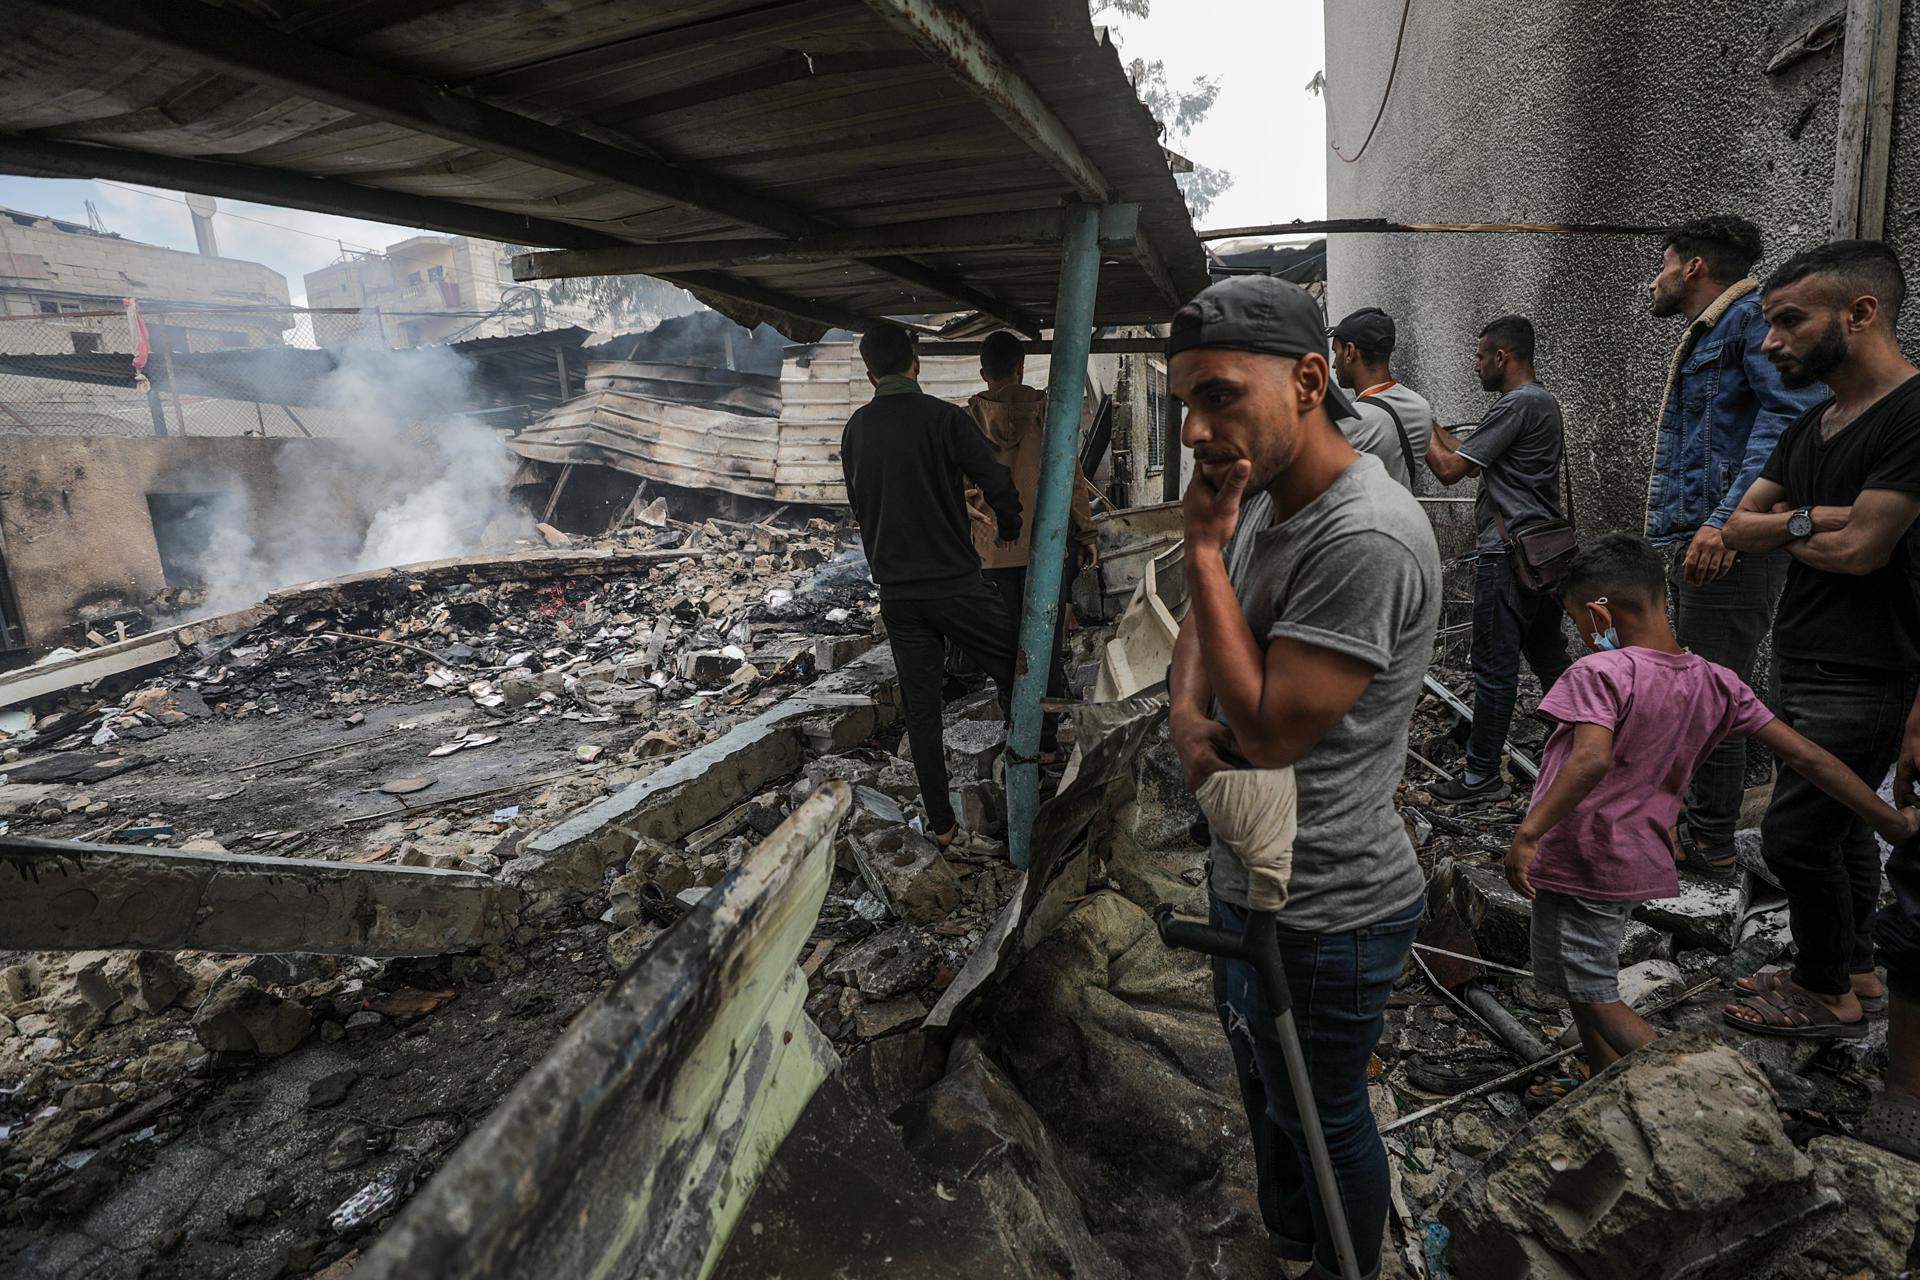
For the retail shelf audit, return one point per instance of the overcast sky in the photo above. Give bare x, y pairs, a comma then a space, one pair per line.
1266, 129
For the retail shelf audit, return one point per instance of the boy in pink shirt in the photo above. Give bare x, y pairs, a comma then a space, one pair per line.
1636, 718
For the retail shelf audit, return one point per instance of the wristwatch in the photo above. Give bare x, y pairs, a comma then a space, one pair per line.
1800, 523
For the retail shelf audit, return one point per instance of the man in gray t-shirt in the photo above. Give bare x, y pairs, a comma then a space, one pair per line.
1314, 585
1391, 420
1356, 572
1516, 452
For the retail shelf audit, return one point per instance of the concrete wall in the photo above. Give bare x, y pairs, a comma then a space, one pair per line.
1643, 111
78, 537
478, 268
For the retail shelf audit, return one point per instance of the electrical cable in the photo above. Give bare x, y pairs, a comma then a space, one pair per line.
1393, 70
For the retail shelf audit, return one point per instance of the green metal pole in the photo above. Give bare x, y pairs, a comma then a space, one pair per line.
1066, 389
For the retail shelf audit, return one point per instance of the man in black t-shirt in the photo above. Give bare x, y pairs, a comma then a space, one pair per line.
1841, 494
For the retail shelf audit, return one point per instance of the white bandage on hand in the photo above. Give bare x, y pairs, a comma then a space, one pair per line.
1254, 812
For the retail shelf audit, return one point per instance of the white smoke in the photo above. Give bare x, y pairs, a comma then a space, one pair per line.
397, 476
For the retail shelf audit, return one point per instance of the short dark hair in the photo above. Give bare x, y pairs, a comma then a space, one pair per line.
1857, 267
1001, 354
1616, 565
1728, 245
886, 348
1513, 334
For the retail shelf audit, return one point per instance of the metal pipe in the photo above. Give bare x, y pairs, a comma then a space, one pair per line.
1066, 387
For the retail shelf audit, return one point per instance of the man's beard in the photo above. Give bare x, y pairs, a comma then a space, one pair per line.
1826, 355
1666, 303
1490, 382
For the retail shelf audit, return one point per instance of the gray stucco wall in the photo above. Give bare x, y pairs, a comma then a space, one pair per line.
1642, 111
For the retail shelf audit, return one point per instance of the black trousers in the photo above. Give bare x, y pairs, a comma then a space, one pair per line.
1724, 621
1509, 623
1825, 855
973, 621
1011, 583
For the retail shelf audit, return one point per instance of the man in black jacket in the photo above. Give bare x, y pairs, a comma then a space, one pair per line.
907, 458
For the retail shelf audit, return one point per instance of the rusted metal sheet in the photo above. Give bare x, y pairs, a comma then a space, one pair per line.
610, 122
631, 1149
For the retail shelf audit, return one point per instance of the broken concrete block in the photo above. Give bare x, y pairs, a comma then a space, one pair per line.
907, 872
1499, 917
17, 984
709, 669
1640, 943
888, 964
1702, 915
1879, 1203
971, 747
240, 1017
148, 980
1664, 1155
553, 537
830, 653
872, 1020
88, 969
977, 807
166, 1061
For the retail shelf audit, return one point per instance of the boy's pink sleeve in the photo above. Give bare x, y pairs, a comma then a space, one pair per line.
1589, 692
1750, 715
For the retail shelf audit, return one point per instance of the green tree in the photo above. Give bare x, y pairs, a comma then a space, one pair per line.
1178, 108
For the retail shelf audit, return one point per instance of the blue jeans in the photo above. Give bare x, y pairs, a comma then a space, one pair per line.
1509, 623
1340, 983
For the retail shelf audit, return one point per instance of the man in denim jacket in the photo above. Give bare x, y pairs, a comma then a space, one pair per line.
1721, 414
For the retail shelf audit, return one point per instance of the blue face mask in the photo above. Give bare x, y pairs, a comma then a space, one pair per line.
1604, 640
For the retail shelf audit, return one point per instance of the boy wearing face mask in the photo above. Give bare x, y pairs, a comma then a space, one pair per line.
1636, 717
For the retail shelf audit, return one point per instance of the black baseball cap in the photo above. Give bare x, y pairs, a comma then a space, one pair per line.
1370, 327
1261, 314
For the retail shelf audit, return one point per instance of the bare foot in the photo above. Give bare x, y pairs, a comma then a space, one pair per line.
1868, 986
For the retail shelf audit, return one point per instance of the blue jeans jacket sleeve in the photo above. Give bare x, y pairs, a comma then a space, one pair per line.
1775, 408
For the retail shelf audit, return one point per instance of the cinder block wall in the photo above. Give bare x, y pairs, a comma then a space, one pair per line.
1559, 110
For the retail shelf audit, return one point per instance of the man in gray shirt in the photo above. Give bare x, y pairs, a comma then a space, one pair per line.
1314, 586
1391, 420
1516, 452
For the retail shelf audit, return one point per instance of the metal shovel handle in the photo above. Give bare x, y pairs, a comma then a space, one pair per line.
1258, 946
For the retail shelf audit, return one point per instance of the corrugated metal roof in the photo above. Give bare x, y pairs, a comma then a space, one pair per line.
786, 115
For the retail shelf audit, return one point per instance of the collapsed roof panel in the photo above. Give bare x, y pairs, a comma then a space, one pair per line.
633, 123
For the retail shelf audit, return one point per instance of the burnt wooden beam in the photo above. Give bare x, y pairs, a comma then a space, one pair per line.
764, 23
253, 51
1383, 226
68, 895
633, 1147
1038, 229
958, 45
47, 158
40, 158
249, 50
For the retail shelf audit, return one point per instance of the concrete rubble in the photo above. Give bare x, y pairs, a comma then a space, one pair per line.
1030, 1084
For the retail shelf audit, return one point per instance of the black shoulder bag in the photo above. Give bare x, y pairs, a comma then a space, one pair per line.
1542, 552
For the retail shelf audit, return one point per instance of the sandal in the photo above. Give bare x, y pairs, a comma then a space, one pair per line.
1893, 1124
1763, 984
1545, 1093
1695, 859
1791, 1013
